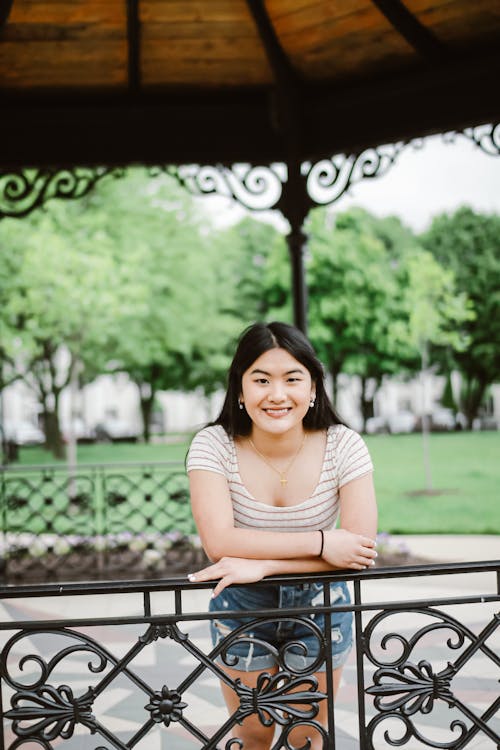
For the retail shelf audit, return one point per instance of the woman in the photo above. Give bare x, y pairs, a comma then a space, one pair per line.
268, 480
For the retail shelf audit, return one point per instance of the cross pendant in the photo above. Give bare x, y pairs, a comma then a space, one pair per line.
283, 480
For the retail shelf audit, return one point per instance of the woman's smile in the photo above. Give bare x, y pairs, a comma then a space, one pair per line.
275, 412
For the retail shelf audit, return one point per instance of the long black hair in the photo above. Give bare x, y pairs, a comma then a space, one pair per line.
254, 341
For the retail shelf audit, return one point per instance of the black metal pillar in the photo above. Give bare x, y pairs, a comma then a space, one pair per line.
294, 207
286, 114
296, 240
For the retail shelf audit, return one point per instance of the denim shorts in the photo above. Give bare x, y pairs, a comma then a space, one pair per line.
294, 643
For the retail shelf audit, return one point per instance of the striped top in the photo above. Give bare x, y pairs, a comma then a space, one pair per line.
346, 458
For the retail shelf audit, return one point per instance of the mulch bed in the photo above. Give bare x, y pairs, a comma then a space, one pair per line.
124, 564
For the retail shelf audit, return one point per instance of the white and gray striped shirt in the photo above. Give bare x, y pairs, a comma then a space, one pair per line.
346, 458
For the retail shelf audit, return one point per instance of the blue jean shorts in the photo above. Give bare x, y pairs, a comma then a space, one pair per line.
294, 643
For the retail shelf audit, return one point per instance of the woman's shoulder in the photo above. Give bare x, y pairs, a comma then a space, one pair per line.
340, 431
214, 436
341, 437
349, 453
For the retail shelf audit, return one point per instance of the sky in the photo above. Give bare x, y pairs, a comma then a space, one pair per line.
437, 177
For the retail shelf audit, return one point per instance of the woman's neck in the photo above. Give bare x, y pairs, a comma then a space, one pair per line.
278, 445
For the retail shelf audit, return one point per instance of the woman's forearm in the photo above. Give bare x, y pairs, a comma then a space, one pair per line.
258, 544
297, 565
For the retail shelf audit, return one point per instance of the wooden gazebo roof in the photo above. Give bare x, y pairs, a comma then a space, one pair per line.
173, 81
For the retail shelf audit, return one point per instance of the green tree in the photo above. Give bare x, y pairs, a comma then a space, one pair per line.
165, 303
469, 243
114, 281
358, 320
56, 304
436, 315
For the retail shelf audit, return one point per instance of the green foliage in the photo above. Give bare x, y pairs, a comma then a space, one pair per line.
466, 478
468, 243
358, 315
127, 279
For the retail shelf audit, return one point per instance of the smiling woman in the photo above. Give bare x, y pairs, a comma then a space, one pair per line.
269, 479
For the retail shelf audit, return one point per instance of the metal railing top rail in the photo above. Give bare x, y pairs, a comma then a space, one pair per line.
173, 584
64, 466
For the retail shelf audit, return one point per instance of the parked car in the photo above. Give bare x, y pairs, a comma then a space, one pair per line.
116, 430
23, 433
376, 426
402, 421
82, 433
443, 420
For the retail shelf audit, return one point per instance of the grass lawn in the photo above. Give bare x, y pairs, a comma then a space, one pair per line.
174, 450
466, 477
465, 468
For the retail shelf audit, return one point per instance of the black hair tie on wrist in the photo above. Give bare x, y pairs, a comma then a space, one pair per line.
322, 543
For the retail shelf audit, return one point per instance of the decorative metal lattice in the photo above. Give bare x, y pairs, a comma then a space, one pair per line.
257, 188
42, 711
260, 188
114, 521
485, 137
407, 690
55, 676
24, 190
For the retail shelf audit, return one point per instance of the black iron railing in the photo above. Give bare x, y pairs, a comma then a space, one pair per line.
108, 665
122, 519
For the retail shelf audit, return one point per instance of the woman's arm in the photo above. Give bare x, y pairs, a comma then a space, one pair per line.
213, 515
358, 507
243, 556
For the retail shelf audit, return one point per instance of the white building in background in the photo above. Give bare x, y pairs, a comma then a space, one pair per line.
112, 402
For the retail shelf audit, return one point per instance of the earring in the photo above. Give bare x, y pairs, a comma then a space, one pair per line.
240, 404
312, 402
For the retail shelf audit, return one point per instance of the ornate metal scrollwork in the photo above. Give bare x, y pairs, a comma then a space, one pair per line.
485, 137
414, 687
329, 179
261, 187
170, 630
279, 698
27, 189
257, 188
281, 656
166, 706
50, 712
402, 689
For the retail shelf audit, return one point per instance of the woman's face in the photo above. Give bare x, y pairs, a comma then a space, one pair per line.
276, 391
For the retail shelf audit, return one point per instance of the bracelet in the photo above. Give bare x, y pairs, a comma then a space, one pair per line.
322, 543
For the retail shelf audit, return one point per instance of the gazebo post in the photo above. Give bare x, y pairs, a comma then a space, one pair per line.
294, 209
296, 240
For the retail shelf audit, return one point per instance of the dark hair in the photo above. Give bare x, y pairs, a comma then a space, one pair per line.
254, 341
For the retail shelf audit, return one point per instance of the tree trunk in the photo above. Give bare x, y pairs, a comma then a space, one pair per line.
334, 372
366, 402
53, 434
425, 422
475, 389
146, 412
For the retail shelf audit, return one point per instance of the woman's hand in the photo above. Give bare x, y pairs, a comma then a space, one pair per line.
344, 549
231, 570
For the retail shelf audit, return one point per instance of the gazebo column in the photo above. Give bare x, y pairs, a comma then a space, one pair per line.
296, 240
294, 207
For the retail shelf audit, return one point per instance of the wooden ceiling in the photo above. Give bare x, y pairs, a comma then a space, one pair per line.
169, 81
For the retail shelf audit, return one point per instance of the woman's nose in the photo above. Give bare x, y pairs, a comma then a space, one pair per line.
277, 392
